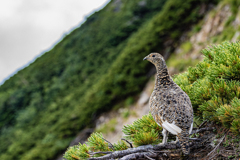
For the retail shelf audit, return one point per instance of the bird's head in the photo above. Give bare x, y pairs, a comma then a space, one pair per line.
156, 59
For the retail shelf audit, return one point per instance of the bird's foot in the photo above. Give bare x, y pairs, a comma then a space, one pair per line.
162, 144
174, 142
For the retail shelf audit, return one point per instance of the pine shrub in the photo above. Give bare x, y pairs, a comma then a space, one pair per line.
77, 152
95, 143
143, 131
214, 87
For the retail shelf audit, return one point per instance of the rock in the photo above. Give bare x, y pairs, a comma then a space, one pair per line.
236, 36
143, 98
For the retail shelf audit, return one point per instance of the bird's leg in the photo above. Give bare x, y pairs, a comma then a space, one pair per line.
165, 137
175, 142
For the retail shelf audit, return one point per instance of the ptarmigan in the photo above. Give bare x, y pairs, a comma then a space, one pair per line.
170, 106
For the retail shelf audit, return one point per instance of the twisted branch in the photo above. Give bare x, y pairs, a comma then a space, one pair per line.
150, 151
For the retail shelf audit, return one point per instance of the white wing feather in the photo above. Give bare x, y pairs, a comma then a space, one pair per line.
171, 127
190, 131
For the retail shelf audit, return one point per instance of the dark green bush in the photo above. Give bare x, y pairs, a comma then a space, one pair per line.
214, 85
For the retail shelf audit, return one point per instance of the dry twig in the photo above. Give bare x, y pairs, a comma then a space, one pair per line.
110, 144
216, 146
203, 130
127, 142
203, 123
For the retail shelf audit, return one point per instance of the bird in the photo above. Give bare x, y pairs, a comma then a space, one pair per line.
170, 106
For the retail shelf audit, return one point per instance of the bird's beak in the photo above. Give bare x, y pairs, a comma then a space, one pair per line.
145, 58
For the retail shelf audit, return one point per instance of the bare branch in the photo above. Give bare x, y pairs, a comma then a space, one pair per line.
93, 153
203, 130
127, 142
119, 154
147, 148
216, 146
195, 139
152, 151
142, 155
203, 123
148, 157
110, 144
196, 124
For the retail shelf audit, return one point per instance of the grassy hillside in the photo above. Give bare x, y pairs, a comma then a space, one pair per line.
100, 63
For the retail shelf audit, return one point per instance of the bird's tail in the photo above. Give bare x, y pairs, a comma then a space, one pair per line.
184, 141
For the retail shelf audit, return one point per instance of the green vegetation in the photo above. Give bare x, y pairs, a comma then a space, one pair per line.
186, 47
213, 86
179, 61
227, 34
107, 127
43, 106
95, 143
230, 29
181, 64
143, 131
234, 6
93, 68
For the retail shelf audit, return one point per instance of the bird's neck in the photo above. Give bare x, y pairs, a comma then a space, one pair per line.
163, 78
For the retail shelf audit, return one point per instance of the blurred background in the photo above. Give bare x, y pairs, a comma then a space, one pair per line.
71, 68
33, 27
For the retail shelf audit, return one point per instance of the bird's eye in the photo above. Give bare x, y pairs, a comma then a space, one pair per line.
153, 55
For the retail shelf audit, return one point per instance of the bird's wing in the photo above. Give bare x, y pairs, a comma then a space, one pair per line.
175, 112
171, 127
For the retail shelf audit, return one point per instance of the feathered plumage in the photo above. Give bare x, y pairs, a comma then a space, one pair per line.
170, 106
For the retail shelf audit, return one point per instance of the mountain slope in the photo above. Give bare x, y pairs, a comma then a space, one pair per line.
220, 24
44, 105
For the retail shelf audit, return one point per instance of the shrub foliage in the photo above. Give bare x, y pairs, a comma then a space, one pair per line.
95, 143
213, 86
143, 131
